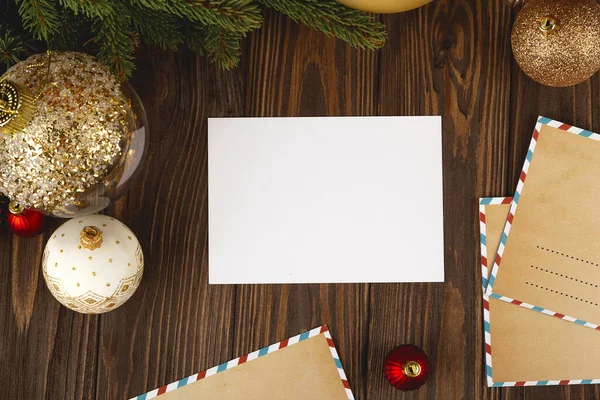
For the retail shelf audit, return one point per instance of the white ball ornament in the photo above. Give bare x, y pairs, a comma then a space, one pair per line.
93, 264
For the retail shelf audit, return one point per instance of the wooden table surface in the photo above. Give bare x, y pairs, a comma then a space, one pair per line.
451, 58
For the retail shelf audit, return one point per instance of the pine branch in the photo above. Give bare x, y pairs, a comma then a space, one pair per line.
156, 27
231, 15
40, 17
89, 8
68, 33
115, 40
334, 20
223, 47
194, 35
11, 48
212, 26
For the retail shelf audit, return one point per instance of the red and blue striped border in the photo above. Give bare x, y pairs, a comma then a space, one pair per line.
486, 309
484, 282
513, 208
567, 128
322, 330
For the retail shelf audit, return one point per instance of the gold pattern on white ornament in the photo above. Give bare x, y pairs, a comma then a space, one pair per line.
93, 284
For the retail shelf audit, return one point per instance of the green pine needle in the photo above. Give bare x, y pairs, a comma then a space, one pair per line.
40, 17
334, 20
156, 27
11, 48
223, 47
114, 28
115, 40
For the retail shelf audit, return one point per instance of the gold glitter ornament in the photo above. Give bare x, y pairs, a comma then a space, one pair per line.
557, 42
75, 145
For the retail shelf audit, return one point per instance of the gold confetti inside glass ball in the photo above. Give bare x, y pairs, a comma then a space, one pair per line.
72, 138
93, 264
557, 42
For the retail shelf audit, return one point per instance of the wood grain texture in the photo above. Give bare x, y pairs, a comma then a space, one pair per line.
309, 75
450, 58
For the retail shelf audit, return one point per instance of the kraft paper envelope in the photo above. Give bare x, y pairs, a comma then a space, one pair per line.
524, 347
549, 256
325, 200
304, 367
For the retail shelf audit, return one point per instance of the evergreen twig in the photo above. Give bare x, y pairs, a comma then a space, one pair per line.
156, 27
223, 47
231, 15
115, 44
114, 28
11, 48
40, 17
334, 20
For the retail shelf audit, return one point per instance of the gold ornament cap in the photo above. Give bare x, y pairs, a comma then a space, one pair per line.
412, 369
548, 25
91, 238
17, 107
15, 208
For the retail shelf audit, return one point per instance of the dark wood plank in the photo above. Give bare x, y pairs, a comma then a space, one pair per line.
294, 71
175, 325
46, 351
447, 59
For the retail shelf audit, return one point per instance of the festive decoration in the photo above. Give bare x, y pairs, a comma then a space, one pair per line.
384, 6
113, 29
407, 367
73, 136
93, 264
24, 222
556, 42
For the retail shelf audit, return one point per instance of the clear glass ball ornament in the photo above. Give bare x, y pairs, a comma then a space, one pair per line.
72, 138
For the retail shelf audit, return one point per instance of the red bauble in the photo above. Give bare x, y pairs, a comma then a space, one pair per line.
407, 367
24, 222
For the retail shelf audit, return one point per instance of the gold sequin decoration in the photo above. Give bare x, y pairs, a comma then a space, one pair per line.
76, 136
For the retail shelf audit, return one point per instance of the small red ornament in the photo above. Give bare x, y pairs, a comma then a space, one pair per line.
24, 222
407, 367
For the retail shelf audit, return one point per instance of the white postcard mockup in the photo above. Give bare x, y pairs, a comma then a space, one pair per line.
325, 200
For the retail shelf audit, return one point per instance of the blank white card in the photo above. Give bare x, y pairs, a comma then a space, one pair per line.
319, 200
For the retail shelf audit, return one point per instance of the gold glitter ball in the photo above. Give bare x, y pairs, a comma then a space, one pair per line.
76, 139
557, 42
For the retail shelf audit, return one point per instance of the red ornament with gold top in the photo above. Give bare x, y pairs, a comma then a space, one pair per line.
24, 222
407, 367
